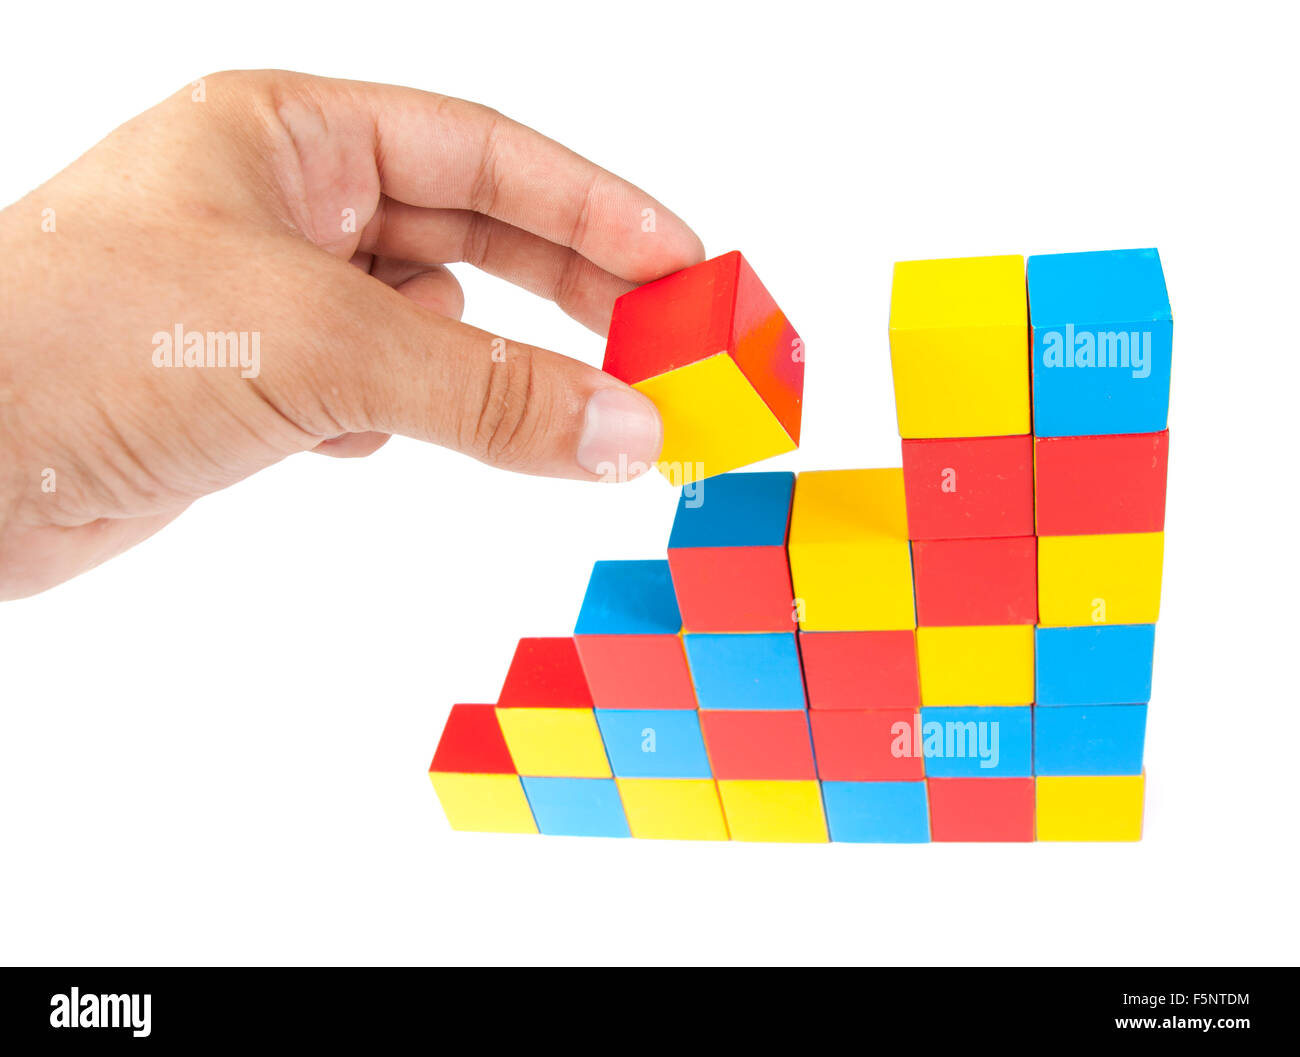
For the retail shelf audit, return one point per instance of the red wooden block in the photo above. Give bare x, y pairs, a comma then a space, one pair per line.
733, 588
860, 669
637, 671
545, 673
1085, 485
472, 743
969, 487
976, 582
862, 746
981, 809
716, 306
765, 743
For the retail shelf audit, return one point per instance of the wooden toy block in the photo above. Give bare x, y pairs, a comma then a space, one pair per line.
969, 487
483, 803
577, 807
866, 746
1102, 343
1108, 664
1104, 579
720, 360
727, 553
627, 638
786, 812
759, 744
958, 333
673, 808
877, 812
976, 581
984, 742
472, 743
1093, 807
976, 665
554, 742
1114, 484
1089, 739
545, 673
655, 743
746, 671
981, 809
860, 669
850, 559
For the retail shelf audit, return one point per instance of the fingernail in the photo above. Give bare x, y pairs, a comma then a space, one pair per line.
621, 434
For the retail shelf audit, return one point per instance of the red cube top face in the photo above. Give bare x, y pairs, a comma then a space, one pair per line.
472, 743
717, 306
969, 487
546, 673
1087, 485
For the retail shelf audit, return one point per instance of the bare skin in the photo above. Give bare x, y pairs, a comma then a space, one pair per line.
320, 216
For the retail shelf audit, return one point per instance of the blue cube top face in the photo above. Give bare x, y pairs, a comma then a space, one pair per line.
1102, 343
629, 598
577, 807
734, 510
877, 812
746, 671
1091, 739
1105, 665
663, 743
978, 742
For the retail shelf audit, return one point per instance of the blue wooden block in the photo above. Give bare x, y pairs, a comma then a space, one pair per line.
1089, 739
1102, 343
734, 510
1109, 664
654, 743
629, 598
750, 671
877, 812
975, 742
577, 807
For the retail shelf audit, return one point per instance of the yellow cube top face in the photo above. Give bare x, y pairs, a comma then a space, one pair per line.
784, 811
483, 803
846, 506
673, 808
1092, 807
959, 292
554, 742
976, 665
1101, 579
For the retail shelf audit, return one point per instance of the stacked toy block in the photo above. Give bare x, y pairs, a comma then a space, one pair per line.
957, 650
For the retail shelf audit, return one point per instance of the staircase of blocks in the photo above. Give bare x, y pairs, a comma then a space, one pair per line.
959, 649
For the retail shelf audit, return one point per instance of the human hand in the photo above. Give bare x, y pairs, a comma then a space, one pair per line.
299, 227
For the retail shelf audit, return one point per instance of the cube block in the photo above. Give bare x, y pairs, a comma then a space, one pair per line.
472, 743
654, 743
969, 487
976, 581
577, 807
1089, 739
746, 671
1102, 343
860, 669
1114, 484
1108, 664
554, 742
958, 331
787, 812
991, 742
758, 744
1096, 807
877, 812
853, 746
850, 558
981, 809
545, 673
727, 553
718, 357
1104, 579
673, 808
485, 803
976, 665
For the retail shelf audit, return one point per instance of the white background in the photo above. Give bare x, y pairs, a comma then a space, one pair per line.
213, 749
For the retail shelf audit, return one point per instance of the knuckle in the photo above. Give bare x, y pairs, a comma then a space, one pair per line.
507, 413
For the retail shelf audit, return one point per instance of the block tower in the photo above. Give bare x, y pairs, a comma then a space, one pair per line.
957, 650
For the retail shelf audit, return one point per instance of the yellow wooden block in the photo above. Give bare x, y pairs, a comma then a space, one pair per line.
554, 742
959, 343
673, 808
850, 559
976, 665
774, 811
484, 803
714, 420
1103, 579
1091, 807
